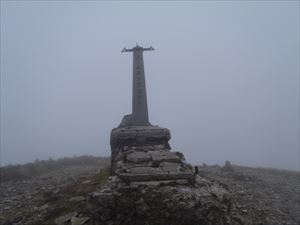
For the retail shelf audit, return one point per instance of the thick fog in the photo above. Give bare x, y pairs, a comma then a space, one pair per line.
224, 78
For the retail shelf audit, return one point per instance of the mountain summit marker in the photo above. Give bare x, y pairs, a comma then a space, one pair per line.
150, 183
139, 115
140, 151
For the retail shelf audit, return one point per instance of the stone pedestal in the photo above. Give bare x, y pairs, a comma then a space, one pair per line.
162, 202
142, 153
152, 185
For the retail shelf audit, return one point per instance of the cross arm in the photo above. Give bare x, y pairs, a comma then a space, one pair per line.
127, 50
137, 48
148, 49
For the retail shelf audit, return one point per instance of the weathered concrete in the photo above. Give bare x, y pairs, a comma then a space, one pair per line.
139, 115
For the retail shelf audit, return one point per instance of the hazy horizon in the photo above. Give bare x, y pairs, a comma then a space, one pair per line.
224, 78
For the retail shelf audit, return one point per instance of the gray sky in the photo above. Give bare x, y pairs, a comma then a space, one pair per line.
224, 78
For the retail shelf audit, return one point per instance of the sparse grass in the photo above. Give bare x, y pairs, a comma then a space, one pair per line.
103, 176
62, 206
30, 170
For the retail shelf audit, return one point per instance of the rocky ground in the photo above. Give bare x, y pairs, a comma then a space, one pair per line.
52, 198
267, 196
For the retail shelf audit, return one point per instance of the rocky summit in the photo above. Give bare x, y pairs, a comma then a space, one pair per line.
149, 184
86, 194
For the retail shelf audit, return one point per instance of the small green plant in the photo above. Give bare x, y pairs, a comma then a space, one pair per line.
103, 176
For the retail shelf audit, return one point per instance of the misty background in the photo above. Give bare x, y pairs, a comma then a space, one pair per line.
224, 78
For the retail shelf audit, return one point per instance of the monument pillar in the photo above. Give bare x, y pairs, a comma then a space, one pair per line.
141, 151
139, 116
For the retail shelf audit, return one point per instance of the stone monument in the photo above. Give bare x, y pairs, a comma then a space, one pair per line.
139, 114
149, 183
140, 151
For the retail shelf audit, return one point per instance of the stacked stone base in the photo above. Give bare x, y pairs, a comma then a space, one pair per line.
151, 185
164, 202
143, 154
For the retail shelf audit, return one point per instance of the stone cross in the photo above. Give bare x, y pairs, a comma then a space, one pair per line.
139, 94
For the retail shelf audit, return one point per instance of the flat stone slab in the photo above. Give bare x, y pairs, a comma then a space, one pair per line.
159, 183
172, 167
139, 135
137, 157
145, 170
127, 177
77, 199
166, 156
102, 196
145, 148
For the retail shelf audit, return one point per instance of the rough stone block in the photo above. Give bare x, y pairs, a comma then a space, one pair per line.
170, 167
164, 156
140, 135
137, 157
137, 138
160, 183
145, 170
129, 177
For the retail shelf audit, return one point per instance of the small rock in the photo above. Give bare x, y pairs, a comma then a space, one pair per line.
79, 220
94, 183
87, 181
227, 167
77, 199
63, 219
41, 208
201, 182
